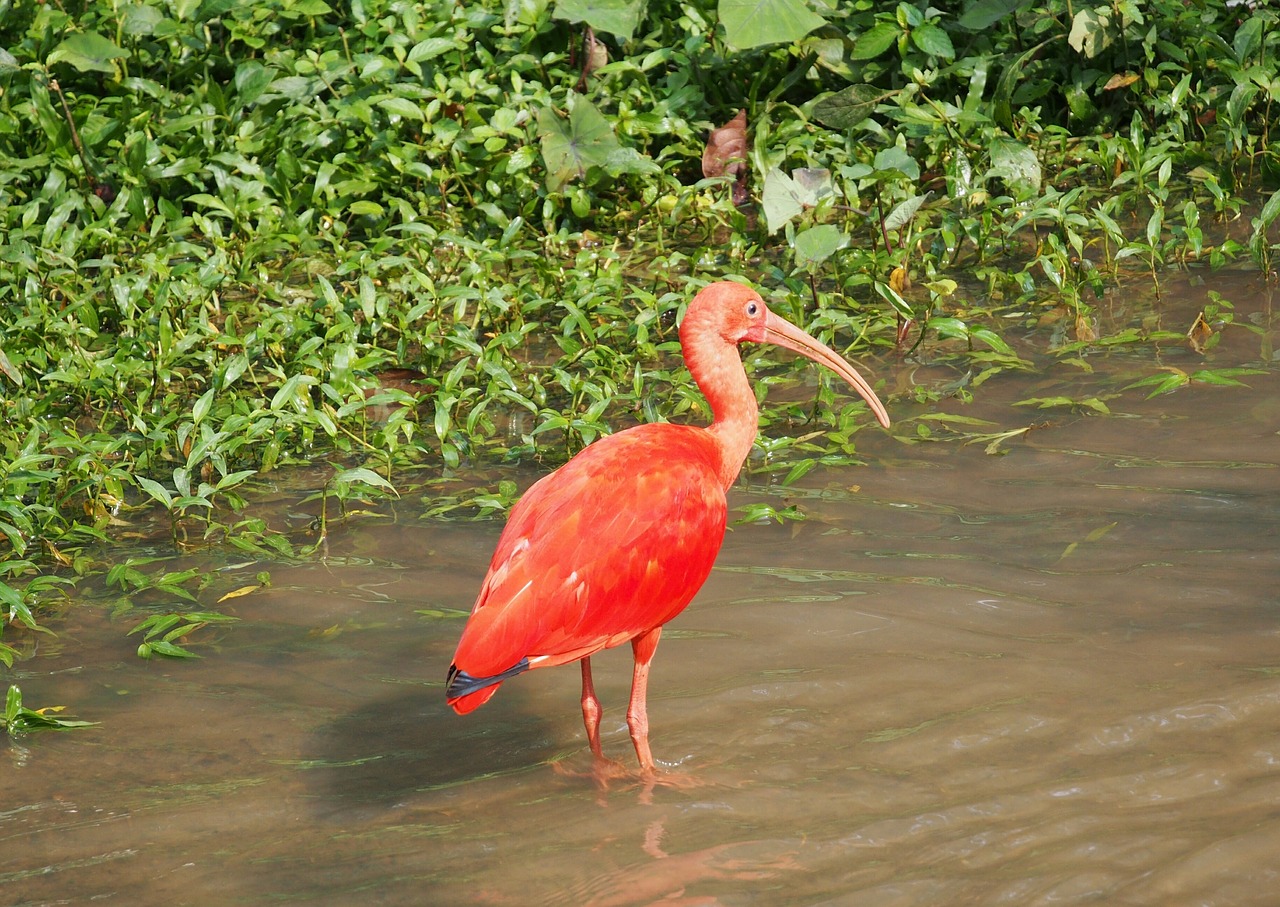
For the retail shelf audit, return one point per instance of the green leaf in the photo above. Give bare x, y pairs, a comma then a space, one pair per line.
983, 14
156, 490
904, 212
756, 23
1089, 34
848, 107
138, 19
365, 476
933, 41
402, 107
87, 52
251, 80
1015, 163
1002, 98
615, 17
875, 41
570, 147
782, 199
817, 244
429, 49
896, 161
1271, 210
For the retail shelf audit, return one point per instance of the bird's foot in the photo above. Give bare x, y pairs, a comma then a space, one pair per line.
608, 773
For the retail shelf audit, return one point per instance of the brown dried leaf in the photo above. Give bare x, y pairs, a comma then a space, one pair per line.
726, 152
1085, 331
1199, 334
900, 280
1120, 80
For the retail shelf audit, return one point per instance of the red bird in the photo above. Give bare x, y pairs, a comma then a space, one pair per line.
616, 542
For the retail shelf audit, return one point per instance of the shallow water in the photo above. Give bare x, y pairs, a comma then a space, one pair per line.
1047, 676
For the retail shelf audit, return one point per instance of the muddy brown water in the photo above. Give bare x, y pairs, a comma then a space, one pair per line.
1050, 676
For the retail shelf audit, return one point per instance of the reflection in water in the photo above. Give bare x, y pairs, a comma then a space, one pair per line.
1048, 676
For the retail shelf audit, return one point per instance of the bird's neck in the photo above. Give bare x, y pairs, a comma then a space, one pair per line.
717, 368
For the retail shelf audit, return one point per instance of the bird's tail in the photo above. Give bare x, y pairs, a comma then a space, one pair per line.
466, 693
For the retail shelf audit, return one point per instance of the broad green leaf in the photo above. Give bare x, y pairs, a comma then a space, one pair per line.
8, 62
817, 244
201, 407
1014, 163
364, 476
1271, 210
848, 107
875, 40
983, 14
782, 199
429, 49
570, 147
402, 107
1089, 34
756, 23
1248, 38
896, 160
156, 491
904, 212
139, 19
251, 80
87, 52
615, 17
933, 41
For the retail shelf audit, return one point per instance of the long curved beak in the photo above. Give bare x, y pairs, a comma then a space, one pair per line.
779, 331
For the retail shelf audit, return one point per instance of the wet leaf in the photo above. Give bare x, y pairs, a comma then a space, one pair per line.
239, 593
1200, 334
18, 719
1085, 330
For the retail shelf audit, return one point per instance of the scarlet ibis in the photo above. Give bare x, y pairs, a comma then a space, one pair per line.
617, 541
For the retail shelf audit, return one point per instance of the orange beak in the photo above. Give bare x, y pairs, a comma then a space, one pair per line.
783, 333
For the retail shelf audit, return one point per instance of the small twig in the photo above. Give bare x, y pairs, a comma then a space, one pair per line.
104, 191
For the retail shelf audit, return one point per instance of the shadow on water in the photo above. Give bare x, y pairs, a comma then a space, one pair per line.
394, 748
1046, 676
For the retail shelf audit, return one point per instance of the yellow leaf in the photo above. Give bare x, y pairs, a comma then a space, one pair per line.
236, 593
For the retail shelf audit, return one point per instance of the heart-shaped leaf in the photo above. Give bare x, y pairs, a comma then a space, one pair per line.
87, 52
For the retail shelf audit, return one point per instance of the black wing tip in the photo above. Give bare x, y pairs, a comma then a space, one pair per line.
460, 683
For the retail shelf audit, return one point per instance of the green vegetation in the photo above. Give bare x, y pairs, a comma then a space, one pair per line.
407, 237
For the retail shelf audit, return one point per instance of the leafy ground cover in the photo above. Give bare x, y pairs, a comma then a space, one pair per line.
405, 238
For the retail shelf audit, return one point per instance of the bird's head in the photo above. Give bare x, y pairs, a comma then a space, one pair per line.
735, 314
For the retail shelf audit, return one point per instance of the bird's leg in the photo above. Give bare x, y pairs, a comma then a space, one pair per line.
591, 710
643, 647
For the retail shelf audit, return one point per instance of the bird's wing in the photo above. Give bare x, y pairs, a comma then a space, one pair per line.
615, 542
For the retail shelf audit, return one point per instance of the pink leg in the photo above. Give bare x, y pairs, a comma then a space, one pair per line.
591, 710
637, 711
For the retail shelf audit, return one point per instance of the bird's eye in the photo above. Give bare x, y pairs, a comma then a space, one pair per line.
752, 308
